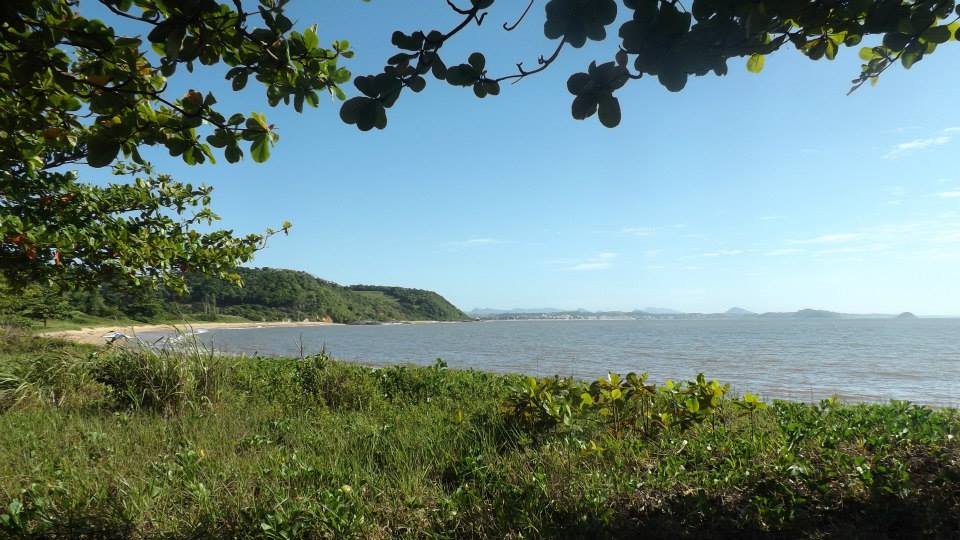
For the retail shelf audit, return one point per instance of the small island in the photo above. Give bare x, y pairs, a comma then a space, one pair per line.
907, 315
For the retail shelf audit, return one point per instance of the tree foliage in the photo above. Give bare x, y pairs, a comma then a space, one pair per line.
268, 294
74, 92
665, 39
274, 294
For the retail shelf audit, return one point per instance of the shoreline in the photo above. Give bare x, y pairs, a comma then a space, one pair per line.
93, 335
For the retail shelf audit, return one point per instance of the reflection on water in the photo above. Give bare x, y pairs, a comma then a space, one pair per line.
862, 360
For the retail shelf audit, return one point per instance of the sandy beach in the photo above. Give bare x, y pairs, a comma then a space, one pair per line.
94, 335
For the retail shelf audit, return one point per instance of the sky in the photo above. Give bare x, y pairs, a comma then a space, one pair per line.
772, 191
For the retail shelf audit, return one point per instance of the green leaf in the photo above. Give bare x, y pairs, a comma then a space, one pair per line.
310, 38
101, 151
417, 83
755, 63
478, 61
954, 28
584, 107
937, 34
909, 58
239, 81
233, 153
260, 149
578, 83
609, 111
462, 75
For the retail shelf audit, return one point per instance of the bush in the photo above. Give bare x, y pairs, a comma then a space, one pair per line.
336, 384
415, 385
161, 379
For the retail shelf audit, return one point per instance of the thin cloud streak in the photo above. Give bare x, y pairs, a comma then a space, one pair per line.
588, 266
476, 242
835, 238
920, 144
601, 261
638, 231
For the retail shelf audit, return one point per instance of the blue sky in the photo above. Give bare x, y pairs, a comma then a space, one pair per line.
771, 192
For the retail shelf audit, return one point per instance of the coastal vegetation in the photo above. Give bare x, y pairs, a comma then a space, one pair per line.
134, 443
267, 294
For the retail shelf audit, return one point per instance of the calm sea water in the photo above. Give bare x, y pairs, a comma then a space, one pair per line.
858, 360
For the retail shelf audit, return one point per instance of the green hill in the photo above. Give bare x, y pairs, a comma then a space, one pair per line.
272, 294
268, 294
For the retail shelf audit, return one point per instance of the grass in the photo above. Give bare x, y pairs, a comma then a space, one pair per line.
158, 444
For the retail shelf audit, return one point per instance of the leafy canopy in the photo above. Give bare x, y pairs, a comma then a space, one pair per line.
75, 92
666, 39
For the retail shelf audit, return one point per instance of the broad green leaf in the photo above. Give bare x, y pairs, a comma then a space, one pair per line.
310, 38
755, 63
260, 149
609, 111
101, 151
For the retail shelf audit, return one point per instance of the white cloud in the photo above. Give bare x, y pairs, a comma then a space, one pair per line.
712, 254
786, 251
949, 194
955, 129
637, 231
476, 242
829, 239
770, 218
587, 266
873, 248
917, 144
601, 261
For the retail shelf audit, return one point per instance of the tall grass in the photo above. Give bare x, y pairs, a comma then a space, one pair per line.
161, 379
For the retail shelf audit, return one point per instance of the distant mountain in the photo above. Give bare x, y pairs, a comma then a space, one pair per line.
483, 312
806, 314
907, 315
665, 313
660, 311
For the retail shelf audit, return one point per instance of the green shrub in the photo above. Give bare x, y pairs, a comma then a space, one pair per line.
161, 379
337, 385
538, 405
405, 384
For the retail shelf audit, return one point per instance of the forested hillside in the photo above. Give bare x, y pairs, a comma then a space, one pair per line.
272, 294
267, 294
